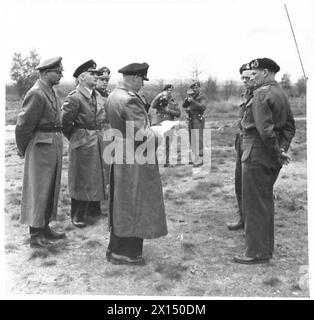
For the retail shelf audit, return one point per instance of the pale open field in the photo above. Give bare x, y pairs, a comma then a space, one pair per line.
194, 259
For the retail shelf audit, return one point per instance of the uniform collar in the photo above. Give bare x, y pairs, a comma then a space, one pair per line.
85, 91
268, 83
125, 86
50, 92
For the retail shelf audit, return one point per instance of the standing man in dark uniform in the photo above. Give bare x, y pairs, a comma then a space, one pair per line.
247, 95
39, 139
166, 109
102, 95
268, 127
196, 103
82, 119
102, 82
136, 206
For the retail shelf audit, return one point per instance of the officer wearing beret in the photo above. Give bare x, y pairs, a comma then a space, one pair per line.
82, 120
166, 109
268, 128
136, 208
195, 104
39, 139
247, 95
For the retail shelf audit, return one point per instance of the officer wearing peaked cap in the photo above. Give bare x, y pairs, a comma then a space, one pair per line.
83, 118
102, 95
136, 69
39, 140
132, 221
268, 128
102, 82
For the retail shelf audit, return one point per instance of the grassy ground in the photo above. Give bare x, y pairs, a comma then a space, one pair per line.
194, 259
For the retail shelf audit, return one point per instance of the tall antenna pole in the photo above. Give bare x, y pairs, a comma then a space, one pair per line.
295, 40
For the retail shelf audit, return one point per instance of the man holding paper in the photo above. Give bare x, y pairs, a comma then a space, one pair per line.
136, 205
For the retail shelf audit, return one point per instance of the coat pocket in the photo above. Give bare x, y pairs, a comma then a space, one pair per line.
43, 137
247, 148
83, 137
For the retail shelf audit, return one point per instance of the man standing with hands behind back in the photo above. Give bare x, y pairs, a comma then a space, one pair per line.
39, 140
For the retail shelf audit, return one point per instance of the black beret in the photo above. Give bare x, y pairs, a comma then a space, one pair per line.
168, 86
89, 65
104, 72
135, 69
51, 63
265, 63
195, 83
244, 67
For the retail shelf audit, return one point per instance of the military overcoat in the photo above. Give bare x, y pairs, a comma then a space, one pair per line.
82, 121
136, 198
43, 154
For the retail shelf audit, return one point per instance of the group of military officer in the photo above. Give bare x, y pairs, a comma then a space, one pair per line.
136, 206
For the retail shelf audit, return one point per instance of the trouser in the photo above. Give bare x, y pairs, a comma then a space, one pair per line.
127, 246
196, 131
34, 231
258, 208
80, 209
238, 174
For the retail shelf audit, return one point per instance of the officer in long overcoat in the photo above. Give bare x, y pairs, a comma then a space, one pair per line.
247, 95
82, 119
39, 139
136, 200
268, 128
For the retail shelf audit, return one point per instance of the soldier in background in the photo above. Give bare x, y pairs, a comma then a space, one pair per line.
195, 104
39, 139
103, 81
102, 95
82, 121
166, 109
247, 95
268, 128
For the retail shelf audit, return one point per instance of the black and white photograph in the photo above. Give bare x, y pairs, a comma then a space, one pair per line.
156, 149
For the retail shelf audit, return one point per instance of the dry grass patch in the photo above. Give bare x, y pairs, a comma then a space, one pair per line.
173, 271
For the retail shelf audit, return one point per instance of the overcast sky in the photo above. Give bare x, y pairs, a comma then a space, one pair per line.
172, 36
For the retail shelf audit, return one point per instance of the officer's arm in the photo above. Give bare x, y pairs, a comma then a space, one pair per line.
28, 119
133, 112
186, 103
288, 131
70, 110
155, 102
199, 106
174, 111
264, 123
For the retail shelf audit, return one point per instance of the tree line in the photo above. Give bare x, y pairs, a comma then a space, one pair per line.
24, 75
